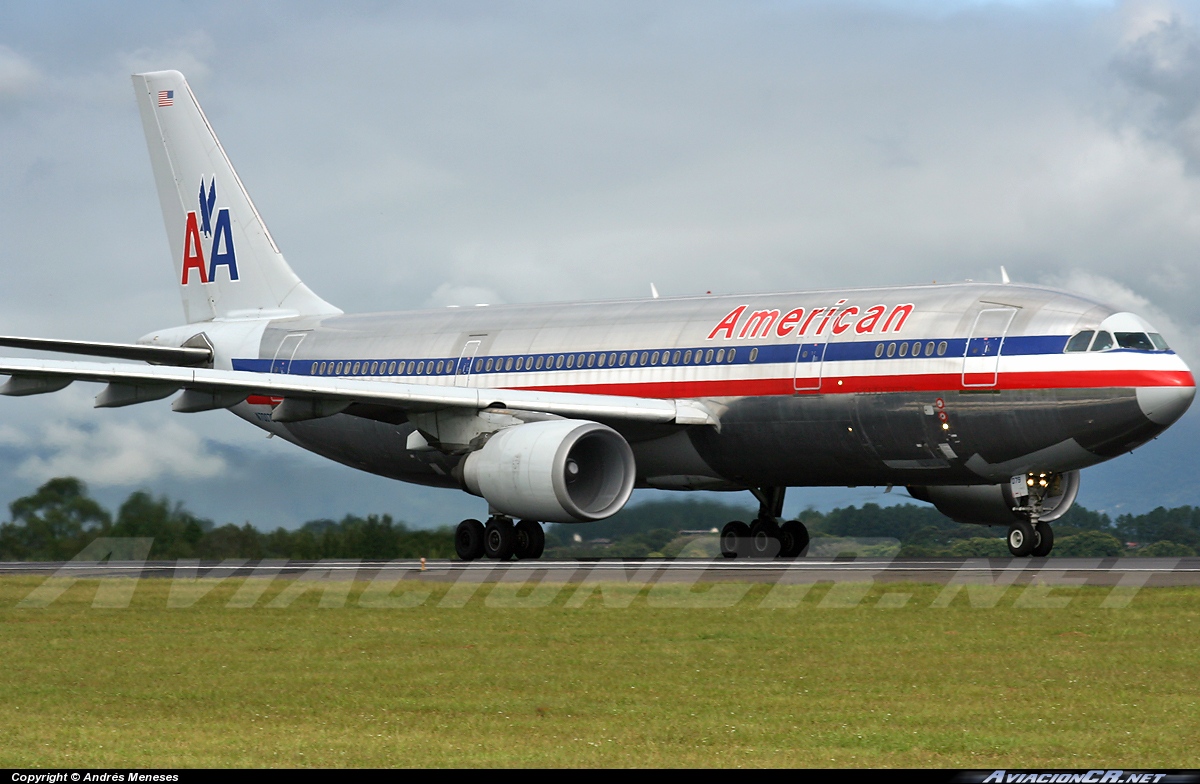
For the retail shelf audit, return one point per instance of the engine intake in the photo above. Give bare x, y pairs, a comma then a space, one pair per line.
559, 471
993, 504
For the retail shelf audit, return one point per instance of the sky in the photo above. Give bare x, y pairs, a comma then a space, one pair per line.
410, 155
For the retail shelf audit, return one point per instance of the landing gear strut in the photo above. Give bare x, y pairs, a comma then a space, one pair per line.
765, 537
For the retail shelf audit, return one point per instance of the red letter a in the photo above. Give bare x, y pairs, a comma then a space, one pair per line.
193, 254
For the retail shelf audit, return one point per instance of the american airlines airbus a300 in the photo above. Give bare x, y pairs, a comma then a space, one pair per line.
985, 400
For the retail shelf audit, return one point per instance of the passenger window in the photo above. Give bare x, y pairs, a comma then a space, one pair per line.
904, 349
478, 366
1080, 340
591, 360
891, 349
374, 367
654, 358
612, 359
754, 355
412, 367
570, 361
878, 350
539, 363
721, 355
929, 349
339, 368
708, 355
488, 367
1138, 341
392, 368
687, 357
421, 367
354, 372
600, 360
558, 361
1103, 342
645, 358
675, 358
732, 351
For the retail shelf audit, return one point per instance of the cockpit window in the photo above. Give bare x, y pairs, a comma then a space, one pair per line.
1139, 341
1158, 342
1103, 342
1080, 340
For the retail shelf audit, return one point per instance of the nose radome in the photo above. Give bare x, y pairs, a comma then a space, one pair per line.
1164, 405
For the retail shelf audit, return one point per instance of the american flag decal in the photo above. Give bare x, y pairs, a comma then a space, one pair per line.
166, 97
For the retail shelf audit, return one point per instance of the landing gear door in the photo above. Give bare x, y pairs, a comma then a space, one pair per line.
981, 361
809, 358
462, 374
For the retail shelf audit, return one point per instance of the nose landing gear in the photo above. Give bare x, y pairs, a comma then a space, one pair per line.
1034, 536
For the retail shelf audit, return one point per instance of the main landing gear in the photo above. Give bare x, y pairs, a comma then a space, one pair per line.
500, 539
766, 537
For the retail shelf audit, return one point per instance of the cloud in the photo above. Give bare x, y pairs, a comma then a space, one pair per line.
1158, 64
104, 452
188, 54
18, 76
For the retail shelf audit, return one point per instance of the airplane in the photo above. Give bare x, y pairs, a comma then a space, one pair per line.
985, 400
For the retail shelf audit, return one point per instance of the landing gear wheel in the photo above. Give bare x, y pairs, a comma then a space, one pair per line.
468, 540
531, 540
793, 539
1021, 539
764, 538
499, 539
734, 537
1045, 537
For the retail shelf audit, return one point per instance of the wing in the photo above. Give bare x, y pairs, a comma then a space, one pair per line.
304, 397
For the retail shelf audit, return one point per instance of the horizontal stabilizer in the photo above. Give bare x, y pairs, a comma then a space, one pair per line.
155, 355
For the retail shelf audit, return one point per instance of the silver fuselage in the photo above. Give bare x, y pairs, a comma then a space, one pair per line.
938, 384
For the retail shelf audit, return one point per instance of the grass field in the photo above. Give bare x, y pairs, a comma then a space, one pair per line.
428, 685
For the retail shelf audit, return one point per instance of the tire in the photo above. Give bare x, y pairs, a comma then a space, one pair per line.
499, 539
764, 538
468, 540
1045, 537
793, 539
531, 540
1021, 539
734, 537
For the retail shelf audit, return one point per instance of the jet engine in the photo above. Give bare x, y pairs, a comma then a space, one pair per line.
999, 504
559, 471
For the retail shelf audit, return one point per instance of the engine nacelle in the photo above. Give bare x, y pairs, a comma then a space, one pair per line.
993, 504
559, 471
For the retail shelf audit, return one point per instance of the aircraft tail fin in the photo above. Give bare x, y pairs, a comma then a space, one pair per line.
226, 262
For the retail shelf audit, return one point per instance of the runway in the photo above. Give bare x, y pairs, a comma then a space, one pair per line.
1146, 572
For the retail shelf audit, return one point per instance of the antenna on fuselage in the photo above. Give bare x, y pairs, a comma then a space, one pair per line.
1004, 275
653, 291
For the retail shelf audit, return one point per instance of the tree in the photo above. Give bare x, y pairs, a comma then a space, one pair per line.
53, 524
1089, 544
